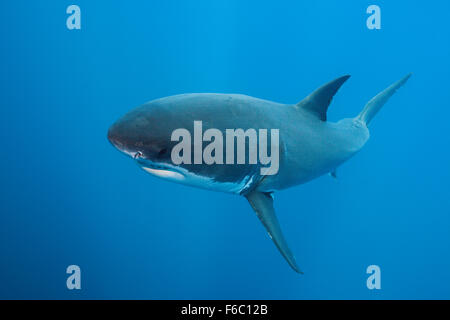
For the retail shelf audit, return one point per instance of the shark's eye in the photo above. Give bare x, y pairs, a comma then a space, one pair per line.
162, 152
138, 155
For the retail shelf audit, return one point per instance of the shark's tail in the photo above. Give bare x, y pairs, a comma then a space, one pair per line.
375, 104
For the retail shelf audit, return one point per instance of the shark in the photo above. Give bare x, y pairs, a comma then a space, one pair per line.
309, 145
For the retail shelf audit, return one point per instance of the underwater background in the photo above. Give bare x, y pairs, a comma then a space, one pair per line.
68, 197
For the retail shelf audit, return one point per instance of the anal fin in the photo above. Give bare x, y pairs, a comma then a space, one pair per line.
262, 203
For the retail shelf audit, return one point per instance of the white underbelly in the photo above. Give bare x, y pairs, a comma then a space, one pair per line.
183, 176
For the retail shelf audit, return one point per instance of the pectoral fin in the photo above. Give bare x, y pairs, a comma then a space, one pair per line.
262, 203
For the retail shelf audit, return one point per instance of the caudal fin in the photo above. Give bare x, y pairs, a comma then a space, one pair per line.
375, 104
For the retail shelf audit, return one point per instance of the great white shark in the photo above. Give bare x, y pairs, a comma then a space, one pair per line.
309, 145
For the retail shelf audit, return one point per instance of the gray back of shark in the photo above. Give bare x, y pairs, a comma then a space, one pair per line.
309, 145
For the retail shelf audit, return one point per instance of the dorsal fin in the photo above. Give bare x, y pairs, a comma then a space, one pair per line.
318, 101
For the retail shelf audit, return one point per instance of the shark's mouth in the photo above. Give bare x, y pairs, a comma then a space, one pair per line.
161, 170
162, 173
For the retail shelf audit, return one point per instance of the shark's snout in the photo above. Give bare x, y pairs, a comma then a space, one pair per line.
123, 138
114, 137
135, 138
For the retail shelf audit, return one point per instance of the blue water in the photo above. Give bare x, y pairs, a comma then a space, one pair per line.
68, 197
